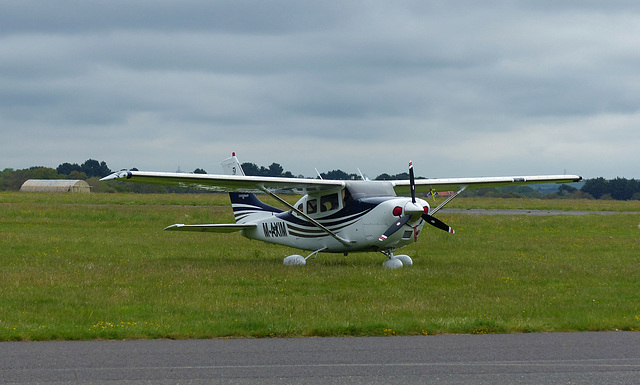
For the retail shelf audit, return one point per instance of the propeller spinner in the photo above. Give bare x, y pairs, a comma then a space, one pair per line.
414, 210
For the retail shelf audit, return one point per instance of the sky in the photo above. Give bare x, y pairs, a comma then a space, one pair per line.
461, 88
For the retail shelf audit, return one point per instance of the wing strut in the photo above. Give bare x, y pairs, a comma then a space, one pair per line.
431, 212
319, 225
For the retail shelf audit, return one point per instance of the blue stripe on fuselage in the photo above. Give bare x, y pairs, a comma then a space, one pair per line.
352, 211
250, 199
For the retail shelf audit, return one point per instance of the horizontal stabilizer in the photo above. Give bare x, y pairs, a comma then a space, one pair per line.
211, 228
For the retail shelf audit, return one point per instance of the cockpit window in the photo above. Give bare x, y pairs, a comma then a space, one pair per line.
312, 206
329, 202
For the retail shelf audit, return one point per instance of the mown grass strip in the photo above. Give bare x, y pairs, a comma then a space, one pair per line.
101, 267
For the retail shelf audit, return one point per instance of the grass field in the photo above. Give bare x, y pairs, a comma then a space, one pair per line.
99, 266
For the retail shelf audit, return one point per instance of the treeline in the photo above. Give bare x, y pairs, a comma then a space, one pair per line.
542, 191
618, 189
92, 170
12, 180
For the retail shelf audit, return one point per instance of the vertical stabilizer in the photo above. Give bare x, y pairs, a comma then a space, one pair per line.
231, 166
245, 205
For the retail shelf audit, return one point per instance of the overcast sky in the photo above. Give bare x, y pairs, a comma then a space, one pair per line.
462, 88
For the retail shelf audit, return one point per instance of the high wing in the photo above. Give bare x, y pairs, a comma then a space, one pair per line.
216, 182
227, 182
456, 184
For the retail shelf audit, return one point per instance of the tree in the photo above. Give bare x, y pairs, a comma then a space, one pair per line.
40, 172
566, 190
77, 175
622, 189
619, 188
338, 174
596, 187
275, 170
7, 179
92, 167
250, 169
401, 176
68, 168
199, 171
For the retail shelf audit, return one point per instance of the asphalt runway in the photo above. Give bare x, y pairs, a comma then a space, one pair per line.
539, 358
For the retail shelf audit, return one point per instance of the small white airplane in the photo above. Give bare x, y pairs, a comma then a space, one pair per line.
334, 216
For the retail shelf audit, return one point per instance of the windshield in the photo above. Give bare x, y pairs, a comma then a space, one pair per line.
362, 189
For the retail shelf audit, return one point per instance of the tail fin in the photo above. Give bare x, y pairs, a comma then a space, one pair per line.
231, 166
244, 204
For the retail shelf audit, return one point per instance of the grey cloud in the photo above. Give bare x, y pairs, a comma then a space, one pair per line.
238, 16
368, 79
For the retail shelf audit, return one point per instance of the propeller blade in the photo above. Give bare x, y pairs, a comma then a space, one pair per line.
437, 223
412, 182
394, 227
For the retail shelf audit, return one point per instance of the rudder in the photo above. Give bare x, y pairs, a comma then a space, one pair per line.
244, 204
231, 166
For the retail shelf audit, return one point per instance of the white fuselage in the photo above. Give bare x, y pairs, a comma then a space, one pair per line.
360, 222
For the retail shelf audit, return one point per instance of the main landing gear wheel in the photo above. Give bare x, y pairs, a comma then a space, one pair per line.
299, 260
295, 260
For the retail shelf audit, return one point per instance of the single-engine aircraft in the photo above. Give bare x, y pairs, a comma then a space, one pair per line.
334, 216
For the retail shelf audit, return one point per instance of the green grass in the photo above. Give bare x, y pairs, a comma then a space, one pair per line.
99, 266
545, 204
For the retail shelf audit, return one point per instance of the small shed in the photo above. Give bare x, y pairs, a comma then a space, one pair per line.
56, 185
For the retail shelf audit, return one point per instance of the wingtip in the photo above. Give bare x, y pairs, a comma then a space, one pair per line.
108, 177
118, 175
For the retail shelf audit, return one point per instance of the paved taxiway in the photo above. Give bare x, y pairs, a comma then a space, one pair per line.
539, 358
532, 212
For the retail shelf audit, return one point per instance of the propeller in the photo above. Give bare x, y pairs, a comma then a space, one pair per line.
412, 182
437, 223
395, 227
428, 218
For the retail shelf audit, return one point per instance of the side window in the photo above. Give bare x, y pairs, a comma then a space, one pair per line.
329, 202
346, 196
312, 206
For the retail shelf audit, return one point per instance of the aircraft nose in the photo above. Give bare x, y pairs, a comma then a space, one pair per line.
411, 208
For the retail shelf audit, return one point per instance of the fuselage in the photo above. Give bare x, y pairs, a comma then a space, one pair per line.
358, 213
